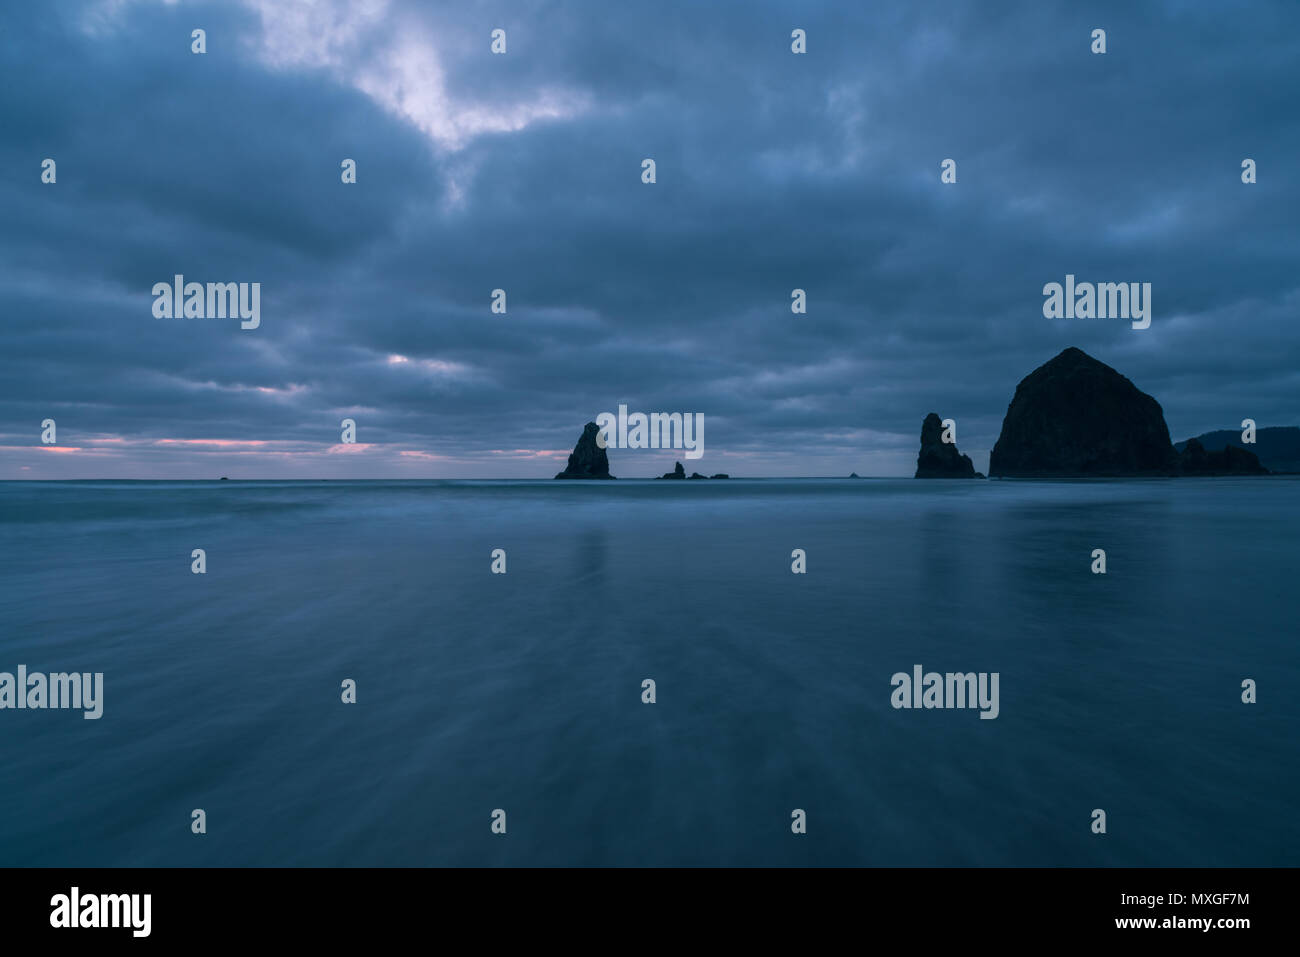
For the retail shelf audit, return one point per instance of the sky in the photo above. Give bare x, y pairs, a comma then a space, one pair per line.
522, 171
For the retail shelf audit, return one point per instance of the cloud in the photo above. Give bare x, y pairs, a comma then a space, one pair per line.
522, 172
394, 59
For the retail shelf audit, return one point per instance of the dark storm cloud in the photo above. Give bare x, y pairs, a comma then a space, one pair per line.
522, 171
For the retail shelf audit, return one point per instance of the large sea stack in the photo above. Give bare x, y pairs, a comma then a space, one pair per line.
940, 459
1077, 417
587, 460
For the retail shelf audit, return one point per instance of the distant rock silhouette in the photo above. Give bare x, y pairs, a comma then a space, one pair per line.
937, 458
1233, 460
1076, 417
680, 473
1276, 446
854, 475
587, 460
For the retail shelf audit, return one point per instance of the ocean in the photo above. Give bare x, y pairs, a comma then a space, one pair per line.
523, 692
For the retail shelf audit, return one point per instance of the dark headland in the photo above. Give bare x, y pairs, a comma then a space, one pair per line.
1276, 446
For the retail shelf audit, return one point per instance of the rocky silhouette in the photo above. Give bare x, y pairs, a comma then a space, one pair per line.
940, 459
680, 473
1074, 416
1276, 446
1232, 460
587, 460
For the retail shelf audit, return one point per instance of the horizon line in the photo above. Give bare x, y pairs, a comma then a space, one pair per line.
476, 478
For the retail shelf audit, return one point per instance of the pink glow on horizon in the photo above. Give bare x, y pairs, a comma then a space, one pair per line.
214, 443
424, 456
347, 448
531, 453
